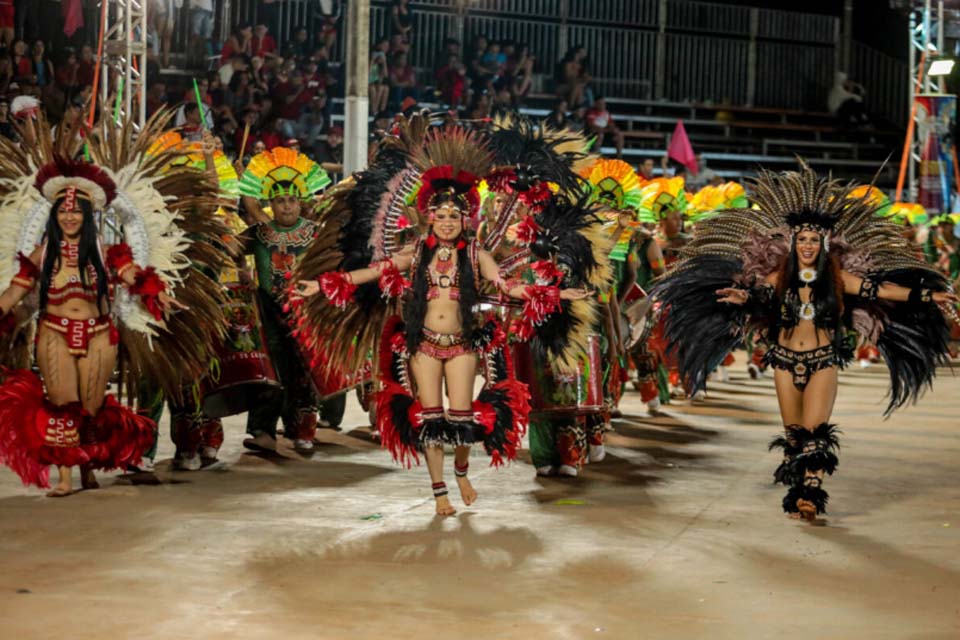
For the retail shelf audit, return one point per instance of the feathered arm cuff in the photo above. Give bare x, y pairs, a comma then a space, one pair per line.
338, 287
148, 285
391, 281
541, 301
26, 277
120, 258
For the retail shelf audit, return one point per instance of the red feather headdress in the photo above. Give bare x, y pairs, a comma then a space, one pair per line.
66, 178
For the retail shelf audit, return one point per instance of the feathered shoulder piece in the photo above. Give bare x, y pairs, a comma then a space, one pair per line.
570, 249
530, 153
166, 217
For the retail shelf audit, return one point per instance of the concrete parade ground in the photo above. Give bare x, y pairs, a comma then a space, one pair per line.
677, 534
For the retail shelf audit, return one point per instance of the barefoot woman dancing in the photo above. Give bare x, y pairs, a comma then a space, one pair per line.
438, 347
813, 262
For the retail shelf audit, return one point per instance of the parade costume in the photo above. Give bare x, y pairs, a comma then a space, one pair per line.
568, 411
107, 290
663, 203
276, 251
741, 270
381, 242
196, 435
615, 188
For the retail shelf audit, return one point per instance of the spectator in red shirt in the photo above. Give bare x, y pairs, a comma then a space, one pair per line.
271, 136
600, 123
451, 81
263, 44
403, 80
67, 74
240, 41
22, 63
6, 22
292, 97
86, 66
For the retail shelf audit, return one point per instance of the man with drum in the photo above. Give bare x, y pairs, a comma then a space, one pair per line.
286, 179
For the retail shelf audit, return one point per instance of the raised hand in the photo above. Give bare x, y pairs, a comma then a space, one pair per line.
732, 295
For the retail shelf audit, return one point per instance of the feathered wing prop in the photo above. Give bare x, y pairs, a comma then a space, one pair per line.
363, 219
741, 247
165, 214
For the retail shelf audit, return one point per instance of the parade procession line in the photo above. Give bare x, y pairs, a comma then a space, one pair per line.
677, 534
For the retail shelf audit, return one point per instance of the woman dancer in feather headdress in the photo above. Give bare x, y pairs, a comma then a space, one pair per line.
807, 266
440, 342
93, 297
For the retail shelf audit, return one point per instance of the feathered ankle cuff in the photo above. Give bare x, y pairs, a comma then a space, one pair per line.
817, 450
785, 472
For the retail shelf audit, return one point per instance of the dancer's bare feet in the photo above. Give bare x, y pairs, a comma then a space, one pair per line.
467, 493
444, 508
64, 486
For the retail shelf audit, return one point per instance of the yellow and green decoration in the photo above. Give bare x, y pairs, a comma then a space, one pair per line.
659, 197
713, 199
282, 171
616, 186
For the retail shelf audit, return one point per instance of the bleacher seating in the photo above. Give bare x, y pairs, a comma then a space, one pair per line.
737, 139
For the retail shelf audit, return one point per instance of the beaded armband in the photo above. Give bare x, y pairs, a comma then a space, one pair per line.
120, 259
869, 288
761, 295
920, 295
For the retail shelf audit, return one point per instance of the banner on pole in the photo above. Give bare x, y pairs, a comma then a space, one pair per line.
936, 114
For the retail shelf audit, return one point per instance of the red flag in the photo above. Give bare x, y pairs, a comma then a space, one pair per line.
681, 150
72, 16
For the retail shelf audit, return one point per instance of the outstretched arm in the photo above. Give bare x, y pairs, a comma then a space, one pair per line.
516, 288
141, 282
740, 296
872, 290
400, 262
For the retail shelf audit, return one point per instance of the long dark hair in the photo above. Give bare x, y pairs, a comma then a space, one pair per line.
89, 253
826, 292
415, 310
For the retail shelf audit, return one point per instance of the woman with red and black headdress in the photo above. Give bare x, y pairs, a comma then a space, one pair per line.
415, 212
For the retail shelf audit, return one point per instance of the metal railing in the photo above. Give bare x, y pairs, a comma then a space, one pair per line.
706, 69
886, 80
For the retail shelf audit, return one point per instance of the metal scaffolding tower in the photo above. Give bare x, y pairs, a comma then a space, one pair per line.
926, 41
125, 60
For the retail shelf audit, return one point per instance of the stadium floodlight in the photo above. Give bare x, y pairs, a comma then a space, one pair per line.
941, 67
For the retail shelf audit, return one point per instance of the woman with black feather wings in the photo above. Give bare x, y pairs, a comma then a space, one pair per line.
811, 262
